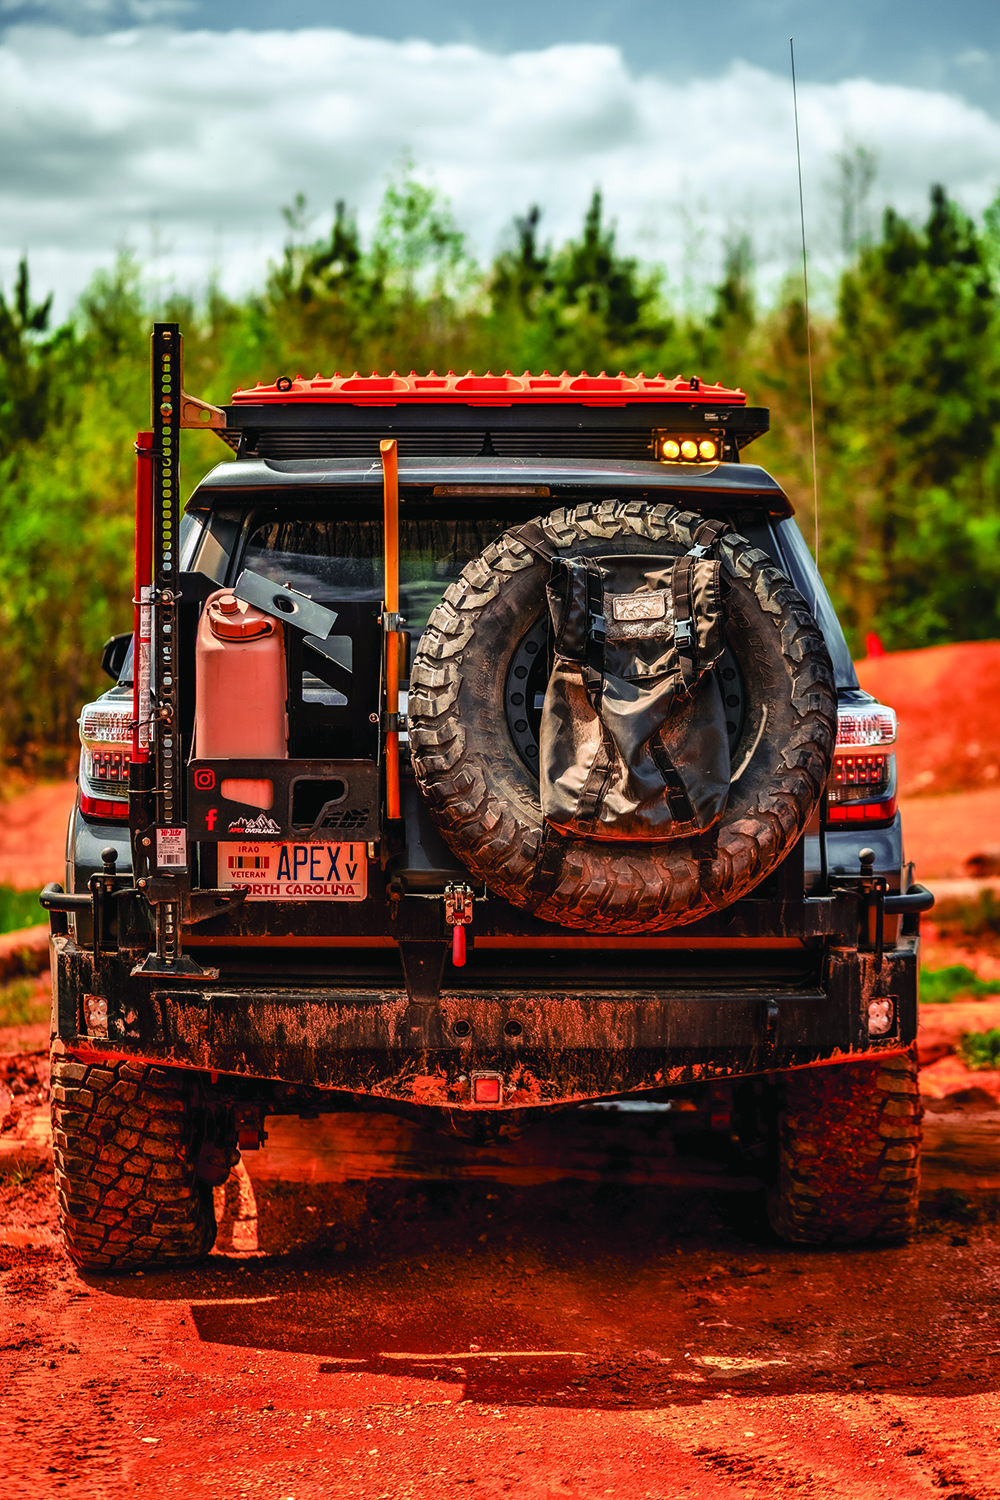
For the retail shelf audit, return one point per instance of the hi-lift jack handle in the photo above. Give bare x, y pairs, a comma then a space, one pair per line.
458, 901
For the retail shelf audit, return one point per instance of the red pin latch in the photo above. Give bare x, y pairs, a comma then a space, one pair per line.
458, 901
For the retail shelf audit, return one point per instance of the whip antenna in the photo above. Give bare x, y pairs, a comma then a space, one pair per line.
805, 285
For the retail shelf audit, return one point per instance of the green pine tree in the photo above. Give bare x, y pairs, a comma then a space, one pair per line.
913, 405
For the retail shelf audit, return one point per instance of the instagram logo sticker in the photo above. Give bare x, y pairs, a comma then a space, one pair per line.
204, 780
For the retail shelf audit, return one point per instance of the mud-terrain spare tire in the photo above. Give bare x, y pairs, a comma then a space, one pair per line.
123, 1136
485, 798
848, 1152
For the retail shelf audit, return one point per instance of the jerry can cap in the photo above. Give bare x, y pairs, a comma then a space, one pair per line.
230, 619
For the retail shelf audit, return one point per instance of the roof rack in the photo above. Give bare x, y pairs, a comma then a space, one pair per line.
467, 416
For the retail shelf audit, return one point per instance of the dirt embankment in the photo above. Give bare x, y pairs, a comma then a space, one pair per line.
33, 835
947, 699
948, 702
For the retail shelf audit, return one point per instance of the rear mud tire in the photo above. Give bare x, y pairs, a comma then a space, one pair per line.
848, 1153
127, 1188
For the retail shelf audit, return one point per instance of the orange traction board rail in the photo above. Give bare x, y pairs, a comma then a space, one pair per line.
489, 390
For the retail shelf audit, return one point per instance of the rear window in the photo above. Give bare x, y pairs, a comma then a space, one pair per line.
341, 558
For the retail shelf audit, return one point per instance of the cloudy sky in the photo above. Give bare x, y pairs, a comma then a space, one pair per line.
181, 127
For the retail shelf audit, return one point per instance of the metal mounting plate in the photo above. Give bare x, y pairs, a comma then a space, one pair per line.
285, 604
348, 811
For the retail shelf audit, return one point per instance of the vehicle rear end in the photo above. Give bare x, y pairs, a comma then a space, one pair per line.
310, 864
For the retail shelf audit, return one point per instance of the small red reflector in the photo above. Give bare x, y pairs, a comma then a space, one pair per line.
486, 1089
97, 807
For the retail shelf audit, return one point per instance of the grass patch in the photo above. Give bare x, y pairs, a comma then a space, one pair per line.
19, 909
969, 919
21, 1004
19, 1176
940, 986
980, 1050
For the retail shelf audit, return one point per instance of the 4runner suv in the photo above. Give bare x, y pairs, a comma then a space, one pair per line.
485, 744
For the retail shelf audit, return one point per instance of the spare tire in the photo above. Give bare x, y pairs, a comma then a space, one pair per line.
472, 756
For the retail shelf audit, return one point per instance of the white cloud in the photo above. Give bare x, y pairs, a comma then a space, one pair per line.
206, 134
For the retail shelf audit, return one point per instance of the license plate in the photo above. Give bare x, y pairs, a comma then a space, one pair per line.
295, 872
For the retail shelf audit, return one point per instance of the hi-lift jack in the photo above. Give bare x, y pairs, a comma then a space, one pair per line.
159, 835
160, 843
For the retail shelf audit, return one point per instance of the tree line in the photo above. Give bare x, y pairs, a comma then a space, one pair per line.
904, 364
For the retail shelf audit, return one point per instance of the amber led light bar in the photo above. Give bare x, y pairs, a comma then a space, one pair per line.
688, 448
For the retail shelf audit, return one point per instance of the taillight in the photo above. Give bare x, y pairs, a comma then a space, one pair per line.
106, 737
862, 785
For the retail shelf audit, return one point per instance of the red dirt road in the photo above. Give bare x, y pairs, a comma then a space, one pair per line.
570, 1341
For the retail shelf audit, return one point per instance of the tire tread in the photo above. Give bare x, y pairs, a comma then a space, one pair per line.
127, 1189
848, 1159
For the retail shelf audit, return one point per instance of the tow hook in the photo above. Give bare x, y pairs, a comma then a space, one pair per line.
873, 888
458, 901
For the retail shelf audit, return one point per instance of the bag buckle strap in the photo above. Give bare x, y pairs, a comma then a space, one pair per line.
683, 635
713, 531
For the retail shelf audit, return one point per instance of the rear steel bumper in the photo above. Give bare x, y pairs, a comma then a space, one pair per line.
547, 1048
